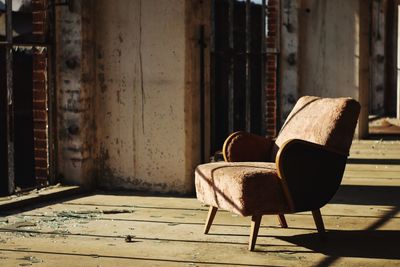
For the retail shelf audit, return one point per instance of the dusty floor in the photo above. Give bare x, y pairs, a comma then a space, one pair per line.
384, 125
363, 222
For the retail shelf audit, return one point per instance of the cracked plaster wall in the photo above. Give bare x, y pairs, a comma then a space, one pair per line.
330, 59
140, 96
334, 51
127, 86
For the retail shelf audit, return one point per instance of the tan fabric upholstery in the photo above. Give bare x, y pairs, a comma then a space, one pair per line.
248, 188
244, 188
324, 121
242, 146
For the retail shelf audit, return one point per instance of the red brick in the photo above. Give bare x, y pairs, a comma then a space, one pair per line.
39, 114
38, 27
39, 94
39, 104
40, 133
41, 172
40, 153
39, 61
39, 75
40, 125
41, 163
40, 143
38, 6
39, 16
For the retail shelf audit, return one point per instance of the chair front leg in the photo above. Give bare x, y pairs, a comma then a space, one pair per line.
282, 221
318, 221
211, 215
255, 226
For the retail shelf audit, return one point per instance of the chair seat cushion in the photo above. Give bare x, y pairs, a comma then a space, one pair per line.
245, 188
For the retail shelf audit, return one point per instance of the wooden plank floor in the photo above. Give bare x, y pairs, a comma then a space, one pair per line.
363, 223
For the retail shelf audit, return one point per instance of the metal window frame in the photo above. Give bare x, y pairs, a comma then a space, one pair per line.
248, 83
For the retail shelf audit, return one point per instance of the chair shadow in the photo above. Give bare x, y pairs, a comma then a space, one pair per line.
378, 244
367, 195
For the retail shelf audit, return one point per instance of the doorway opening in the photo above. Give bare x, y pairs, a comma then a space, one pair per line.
25, 86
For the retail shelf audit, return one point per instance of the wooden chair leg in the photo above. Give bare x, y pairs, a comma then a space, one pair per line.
282, 221
211, 214
318, 221
255, 226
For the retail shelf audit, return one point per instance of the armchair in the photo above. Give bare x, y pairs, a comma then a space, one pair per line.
300, 171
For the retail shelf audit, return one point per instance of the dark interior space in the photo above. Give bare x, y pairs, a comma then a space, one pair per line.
226, 61
3, 125
23, 121
23, 124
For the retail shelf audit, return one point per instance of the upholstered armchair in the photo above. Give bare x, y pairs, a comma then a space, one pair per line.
299, 171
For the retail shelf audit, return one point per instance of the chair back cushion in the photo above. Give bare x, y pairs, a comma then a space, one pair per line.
326, 121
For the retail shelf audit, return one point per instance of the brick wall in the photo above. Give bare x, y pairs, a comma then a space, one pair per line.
40, 92
271, 67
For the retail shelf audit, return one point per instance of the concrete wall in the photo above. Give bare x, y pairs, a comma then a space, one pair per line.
334, 51
141, 99
329, 55
289, 67
128, 93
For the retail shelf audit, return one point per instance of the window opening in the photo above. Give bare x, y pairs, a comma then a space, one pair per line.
24, 90
237, 68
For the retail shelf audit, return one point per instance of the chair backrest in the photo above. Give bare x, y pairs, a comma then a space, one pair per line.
326, 121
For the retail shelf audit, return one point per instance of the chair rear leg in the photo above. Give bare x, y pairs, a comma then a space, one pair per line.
255, 226
211, 214
282, 221
318, 221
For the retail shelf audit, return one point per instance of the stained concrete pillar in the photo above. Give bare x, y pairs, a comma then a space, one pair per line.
289, 56
378, 60
364, 28
75, 81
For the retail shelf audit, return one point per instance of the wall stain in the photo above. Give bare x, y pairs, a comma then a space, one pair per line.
102, 80
141, 62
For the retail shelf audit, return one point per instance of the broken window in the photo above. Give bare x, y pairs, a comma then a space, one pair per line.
24, 90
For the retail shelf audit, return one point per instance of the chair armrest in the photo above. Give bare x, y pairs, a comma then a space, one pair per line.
310, 173
242, 146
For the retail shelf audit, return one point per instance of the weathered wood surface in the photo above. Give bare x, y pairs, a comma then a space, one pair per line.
362, 223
